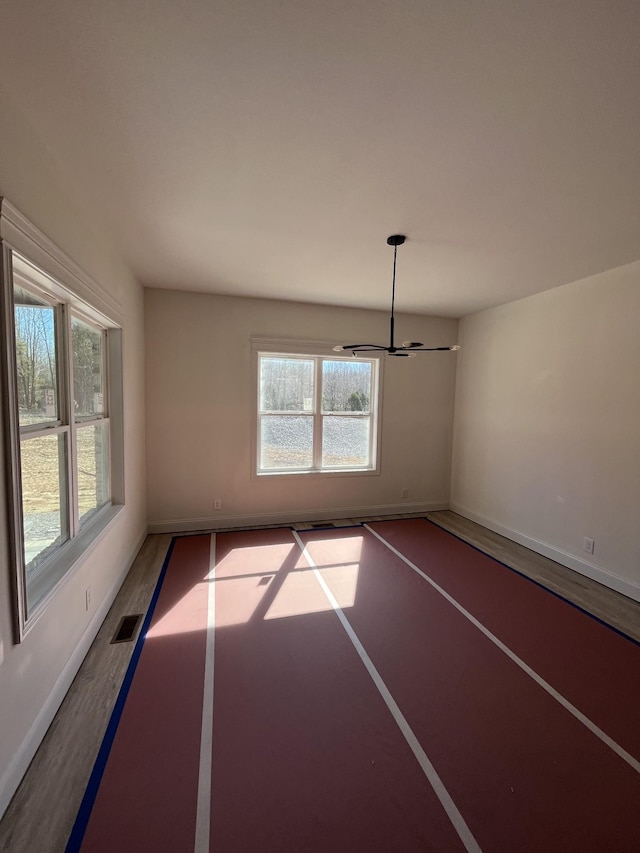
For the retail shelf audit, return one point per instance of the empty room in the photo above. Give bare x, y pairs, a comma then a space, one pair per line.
320, 424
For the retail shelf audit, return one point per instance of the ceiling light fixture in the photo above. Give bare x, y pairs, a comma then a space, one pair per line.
408, 348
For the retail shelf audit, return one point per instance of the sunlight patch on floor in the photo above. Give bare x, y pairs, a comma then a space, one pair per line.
269, 582
301, 593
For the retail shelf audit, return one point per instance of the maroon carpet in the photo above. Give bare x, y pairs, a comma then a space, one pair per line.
525, 774
591, 665
306, 756
147, 797
306, 753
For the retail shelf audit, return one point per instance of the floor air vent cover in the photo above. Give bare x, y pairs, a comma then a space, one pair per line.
127, 628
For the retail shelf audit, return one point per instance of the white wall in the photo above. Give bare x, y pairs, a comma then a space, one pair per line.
35, 674
201, 407
547, 424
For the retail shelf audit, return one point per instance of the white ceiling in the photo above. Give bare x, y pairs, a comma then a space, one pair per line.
268, 147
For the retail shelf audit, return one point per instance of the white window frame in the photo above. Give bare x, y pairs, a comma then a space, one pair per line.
319, 352
58, 280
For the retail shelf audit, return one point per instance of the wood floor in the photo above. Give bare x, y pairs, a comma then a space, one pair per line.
41, 814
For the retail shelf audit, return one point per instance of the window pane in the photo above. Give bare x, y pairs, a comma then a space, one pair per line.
345, 442
346, 386
286, 441
43, 463
93, 469
36, 358
286, 384
88, 369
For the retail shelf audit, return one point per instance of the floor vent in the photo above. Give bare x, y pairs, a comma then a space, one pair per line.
127, 629
323, 524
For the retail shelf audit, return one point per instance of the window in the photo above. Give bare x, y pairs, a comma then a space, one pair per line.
44, 437
91, 417
316, 413
62, 366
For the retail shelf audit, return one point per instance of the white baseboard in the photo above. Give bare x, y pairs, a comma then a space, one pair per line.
584, 567
184, 525
12, 776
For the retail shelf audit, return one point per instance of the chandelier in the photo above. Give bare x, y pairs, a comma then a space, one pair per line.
408, 348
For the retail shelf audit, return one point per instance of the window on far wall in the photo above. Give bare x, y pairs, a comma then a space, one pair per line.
316, 413
62, 377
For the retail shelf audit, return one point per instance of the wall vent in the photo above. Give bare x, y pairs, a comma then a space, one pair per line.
127, 629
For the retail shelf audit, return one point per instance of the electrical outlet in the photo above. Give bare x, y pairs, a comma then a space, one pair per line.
217, 504
404, 493
588, 545
87, 598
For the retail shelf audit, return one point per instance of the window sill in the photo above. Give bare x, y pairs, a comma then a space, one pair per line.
351, 472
